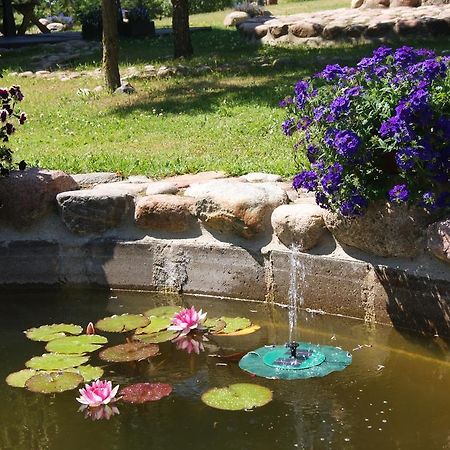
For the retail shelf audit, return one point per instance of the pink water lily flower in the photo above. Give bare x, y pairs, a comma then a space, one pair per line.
97, 393
187, 320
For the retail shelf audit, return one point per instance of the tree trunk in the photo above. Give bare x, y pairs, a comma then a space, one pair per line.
180, 27
110, 45
9, 25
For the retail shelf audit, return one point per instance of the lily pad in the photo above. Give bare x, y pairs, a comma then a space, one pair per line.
122, 323
145, 392
55, 361
18, 379
50, 382
132, 351
156, 324
215, 325
156, 338
234, 324
47, 333
163, 311
237, 397
249, 330
88, 372
76, 344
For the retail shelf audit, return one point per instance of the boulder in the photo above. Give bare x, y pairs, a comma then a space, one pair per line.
279, 30
305, 29
376, 4
438, 235
300, 224
183, 181
237, 207
85, 180
162, 187
26, 196
260, 177
356, 3
56, 27
90, 211
121, 187
410, 3
165, 212
385, 230
235, 18
409, 27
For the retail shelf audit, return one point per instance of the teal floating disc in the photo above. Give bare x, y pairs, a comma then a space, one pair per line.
314, 361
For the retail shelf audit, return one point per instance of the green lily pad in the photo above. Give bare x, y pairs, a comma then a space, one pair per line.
122, 323
55, 361
156, 338
132, 351
145, 392
163, 311
88, 372
234, 324
76, 344
47, 333
156, 324
50, 382
237, 397
215, 325
18, 379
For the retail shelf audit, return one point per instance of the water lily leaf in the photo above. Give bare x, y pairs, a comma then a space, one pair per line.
50, 382
145, 392
122, 323
76, 344
132, 351
156, 324
18, 379
55, 361
215, 325
237, 397
249, 330
235, 324
46, 333
156, 338
88, 372
163, 311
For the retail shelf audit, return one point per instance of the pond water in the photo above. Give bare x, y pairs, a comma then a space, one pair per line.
395, 395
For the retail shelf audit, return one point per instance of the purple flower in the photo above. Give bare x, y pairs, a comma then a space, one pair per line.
288, 126
22, 118
332, 179
10, 128
333, 71
312, 152
322, 200
398, 129
285, 102
304, 123
404, 56
399, 193
428, 201
3, 115
307, 179
339, 105
346, 143
353, 206
301, 93
405, 158
319, 112
381, 53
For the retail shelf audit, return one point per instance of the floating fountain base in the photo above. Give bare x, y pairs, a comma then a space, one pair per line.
311, 361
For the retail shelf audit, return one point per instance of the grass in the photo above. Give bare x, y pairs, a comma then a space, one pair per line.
219, 121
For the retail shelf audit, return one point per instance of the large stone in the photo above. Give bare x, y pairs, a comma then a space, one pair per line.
305, 29
165, 212
260, 177
300, 224
121, 187
385, 230
183, 181
279, 30
235, 18
85, 180
356, 3
26, 196
236, 207
438, 235
409, 3
93, 211
375, 4
162, 187
409, 27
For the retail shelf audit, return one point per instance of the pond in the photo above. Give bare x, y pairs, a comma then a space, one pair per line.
394, 395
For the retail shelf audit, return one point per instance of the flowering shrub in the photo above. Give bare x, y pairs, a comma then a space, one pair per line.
379, 130
9, 118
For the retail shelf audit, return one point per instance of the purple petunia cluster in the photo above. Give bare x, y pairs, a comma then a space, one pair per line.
378, 130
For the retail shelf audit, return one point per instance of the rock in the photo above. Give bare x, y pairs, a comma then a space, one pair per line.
183, 181
27, 74
56, 27
379, 29
165, 71
139, 179
86, 180
437, 26
44, 21
385, 230
236, 207
260, 177
299, 224
376, 4
305, 29
409, 3
333, 31
26, 196
279, 30
171, 213
355, 30
121, 187
356, 3
409, 27
126, 88
162, 187
438, 235
90, 211
235, 18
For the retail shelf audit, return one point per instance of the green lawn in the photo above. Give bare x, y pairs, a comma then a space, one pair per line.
220, 121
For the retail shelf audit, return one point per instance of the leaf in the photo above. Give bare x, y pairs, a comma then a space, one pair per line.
156, 338
55, 361
249, 330
76, 344
163, 311
145, 392
237, 397
50, 382
18, 379
234, 324
132, 351
156, 324
122, 323
215, 325
46, 333
88, 372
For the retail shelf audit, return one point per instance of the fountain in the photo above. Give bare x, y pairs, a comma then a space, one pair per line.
295, 360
